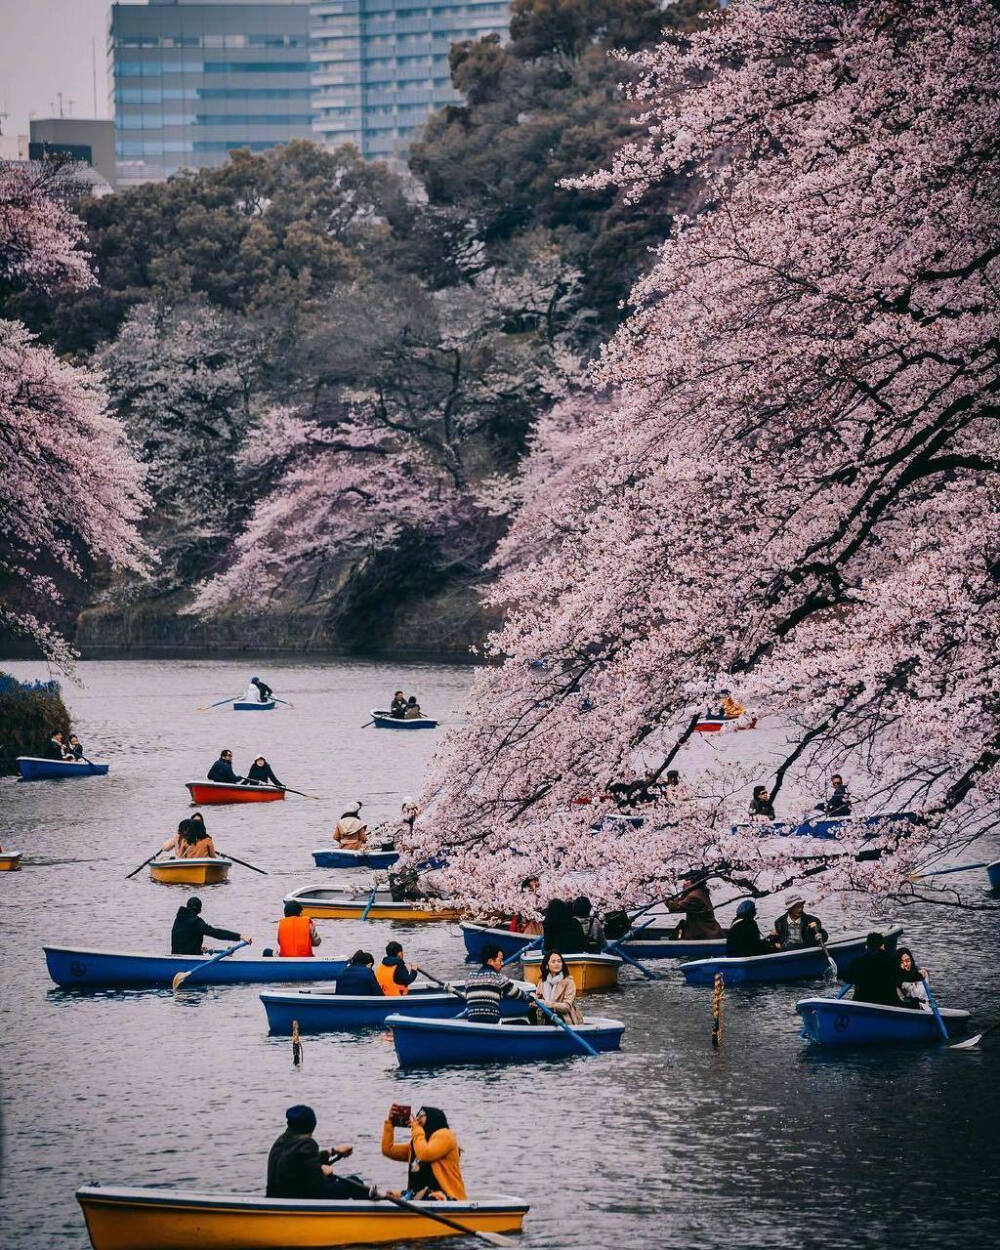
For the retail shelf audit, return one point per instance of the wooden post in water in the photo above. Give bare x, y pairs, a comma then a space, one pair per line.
717, 1011
296, 1045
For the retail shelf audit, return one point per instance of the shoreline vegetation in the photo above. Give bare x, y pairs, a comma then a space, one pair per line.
30, 713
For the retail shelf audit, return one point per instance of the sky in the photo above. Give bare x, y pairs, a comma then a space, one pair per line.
45, 48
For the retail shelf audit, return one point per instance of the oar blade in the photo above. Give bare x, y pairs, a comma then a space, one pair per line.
970, 1043
179, 979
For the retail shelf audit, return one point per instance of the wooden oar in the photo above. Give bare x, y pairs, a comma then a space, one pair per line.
943, 872
971, 1042
367, 723
208, 707
557, 1019
243, 863
494, 1239
934, 1008
284, 701
532, 945
181, 977
143, 864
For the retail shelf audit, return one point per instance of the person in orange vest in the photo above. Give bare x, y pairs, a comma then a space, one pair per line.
297, 934
392, 974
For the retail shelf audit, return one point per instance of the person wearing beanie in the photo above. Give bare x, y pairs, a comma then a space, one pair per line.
187, 937
297, 1168
744, 938
351, 832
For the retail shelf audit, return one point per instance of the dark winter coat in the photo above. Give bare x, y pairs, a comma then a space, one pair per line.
744, 939
810, 937
189, 931
295, 1170
222, 771
699, 917
358, 979
873, 976
261, 775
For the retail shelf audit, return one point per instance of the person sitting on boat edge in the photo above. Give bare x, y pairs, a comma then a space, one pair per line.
358, 977
561, 930
873, 974
75, 747
393, 974
761, 805
261, 774
910, 979
413, 711
744, 939
839, 802
557, 990
488, 985
397, 708
590, 923
695, 901
350, 832
297, 934
297, 1168
187, 936
432, 1156
257, 692
222, 770
795, 928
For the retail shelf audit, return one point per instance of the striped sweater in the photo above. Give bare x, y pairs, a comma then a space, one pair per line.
483, 992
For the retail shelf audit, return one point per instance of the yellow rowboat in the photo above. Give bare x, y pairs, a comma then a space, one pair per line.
190, 871
10, 861
589, 972
328, 904
163, 1219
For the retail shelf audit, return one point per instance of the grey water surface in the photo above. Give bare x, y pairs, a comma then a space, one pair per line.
763, 1143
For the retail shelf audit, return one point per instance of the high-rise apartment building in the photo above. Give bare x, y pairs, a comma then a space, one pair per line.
192, 81
381, 66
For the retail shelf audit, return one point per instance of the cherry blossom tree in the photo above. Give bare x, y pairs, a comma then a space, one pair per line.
70, 490
786, 480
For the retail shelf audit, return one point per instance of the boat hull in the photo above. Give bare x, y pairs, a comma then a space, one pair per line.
647, 944
213, 793
844, 1022
382, 720
590, 973
795, 965
993, 872
824, 827
33, 768
10, 861
323, 904
375, 860
421, 1042
190, 871
71, 966
241, 706
333, 1013
161, 1219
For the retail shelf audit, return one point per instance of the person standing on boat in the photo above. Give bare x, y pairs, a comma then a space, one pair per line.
261, 774
397, 709
744, 939
297, 1168
557, 989
257, 692
488, 985
795, 928
695, 901
761, 806
222, 770
393, 974
873, 974
350, 832
187, 937
297, 934
358, 977
432, 1156
839, 802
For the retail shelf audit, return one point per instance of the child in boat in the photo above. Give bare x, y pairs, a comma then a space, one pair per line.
432, 1155
910, 981
557, 990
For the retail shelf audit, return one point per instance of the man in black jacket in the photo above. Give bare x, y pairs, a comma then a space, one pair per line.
187, 937
297, 1168
873, 974
222, 770
795, 928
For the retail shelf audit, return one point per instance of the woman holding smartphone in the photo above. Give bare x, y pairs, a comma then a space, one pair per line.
432, 1154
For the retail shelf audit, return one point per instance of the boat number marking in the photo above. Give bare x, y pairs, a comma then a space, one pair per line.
841, 1022
78, 969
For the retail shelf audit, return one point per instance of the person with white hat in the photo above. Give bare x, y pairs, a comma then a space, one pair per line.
351, 832
409, 813
795, 928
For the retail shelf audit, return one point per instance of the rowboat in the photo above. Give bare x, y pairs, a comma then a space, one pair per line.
246, 706
332, 1013
74, 965
383, 720
191, 871
714, 724
325, 857
846, 1022
435, 1042
651, 943
34, 768
824, 826
325, 904
207, 793
993, 872
793, 965
590, 973
179, 1219
10, 861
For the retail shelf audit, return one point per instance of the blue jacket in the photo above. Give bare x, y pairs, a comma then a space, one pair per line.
222, 770
358, 979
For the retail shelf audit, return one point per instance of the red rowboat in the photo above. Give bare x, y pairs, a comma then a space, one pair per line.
204, 793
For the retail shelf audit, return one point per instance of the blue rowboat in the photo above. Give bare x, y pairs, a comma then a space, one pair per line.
436, 1042
333, 1013
993, 872
794, 965
74, 966
476, 937
34, 768
383, 720
845, 1022
825, 826
651, 943
324, 858
266, 706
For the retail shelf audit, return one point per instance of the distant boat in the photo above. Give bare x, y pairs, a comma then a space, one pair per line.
209, 793
432, 1042
333, 857
793, 965
383, 720
823, 826
35, 768
10, 861
648, 943
241, 705
75, 965
846, 1022
207, 871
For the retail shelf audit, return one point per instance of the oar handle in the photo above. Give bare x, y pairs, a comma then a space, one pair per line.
557, 1019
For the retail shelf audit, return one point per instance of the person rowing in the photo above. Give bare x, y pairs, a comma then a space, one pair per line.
393, 974
397, 709
695, 901
261, 774
297, 1168
75, 747
191, 841
485, 988
761, 805
795, 928
222, 770
839, 802
874, 974
257, 692
187, 936
56, 748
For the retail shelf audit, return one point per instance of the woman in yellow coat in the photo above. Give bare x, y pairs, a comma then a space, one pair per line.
432, 1156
